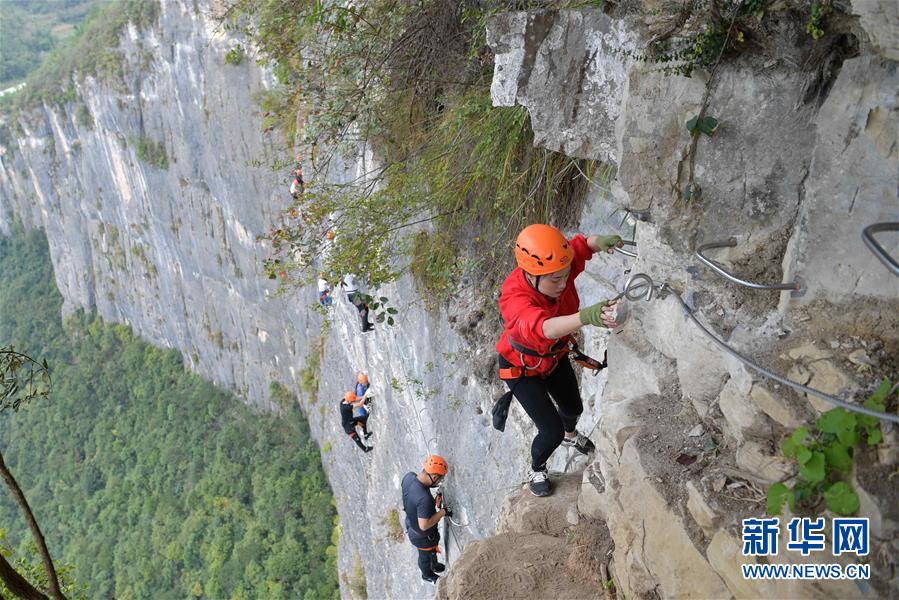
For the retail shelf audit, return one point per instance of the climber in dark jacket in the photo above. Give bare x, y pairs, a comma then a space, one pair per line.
355, 297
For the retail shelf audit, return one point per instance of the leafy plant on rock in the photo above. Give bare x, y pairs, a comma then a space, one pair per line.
825, 455
818, 12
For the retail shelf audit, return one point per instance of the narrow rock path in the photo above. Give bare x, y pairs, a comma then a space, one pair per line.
544, 549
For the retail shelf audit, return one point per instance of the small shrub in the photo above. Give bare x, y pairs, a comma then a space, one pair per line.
150, 152
83, 116
825, 455
818, 12
235, 55
310, 373
395, 531
357, 584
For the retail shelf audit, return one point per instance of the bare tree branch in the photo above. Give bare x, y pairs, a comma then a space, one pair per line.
53, 581
17, 584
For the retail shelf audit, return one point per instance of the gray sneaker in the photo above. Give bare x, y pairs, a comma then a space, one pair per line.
579, 442
538, 482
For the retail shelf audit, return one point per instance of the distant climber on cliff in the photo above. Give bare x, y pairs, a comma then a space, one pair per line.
360, 408
362, 385
297, 186
541, 309
423, 513
355, 297
324, 291
350, 422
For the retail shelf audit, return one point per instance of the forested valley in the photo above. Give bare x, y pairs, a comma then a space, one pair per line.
147, 480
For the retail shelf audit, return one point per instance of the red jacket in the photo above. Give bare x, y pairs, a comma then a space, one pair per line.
524, 309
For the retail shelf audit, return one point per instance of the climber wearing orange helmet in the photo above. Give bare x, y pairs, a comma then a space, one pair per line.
423, 514
541, 309
349, 421
362, 384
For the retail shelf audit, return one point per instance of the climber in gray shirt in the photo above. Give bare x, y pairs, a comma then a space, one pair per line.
423, 513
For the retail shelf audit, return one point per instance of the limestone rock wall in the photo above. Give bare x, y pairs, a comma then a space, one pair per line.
793, 176
688, 438
173, 252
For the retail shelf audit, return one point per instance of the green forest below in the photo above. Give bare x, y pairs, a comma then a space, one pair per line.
30, 29
147, 480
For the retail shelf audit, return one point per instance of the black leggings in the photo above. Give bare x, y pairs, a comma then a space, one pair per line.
533, 393
356, 300
355, 437
362, 422
427, 561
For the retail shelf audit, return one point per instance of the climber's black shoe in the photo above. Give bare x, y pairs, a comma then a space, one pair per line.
538, 482
579, 442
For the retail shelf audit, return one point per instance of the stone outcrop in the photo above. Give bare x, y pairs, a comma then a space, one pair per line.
543, 549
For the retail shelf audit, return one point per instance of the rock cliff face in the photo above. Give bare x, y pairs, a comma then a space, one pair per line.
794, 176
784, 176
171, 249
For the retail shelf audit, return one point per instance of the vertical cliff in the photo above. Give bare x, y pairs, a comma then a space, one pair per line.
804, 158
153, 188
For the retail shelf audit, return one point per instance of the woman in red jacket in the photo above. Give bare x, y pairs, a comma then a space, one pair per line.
541, 309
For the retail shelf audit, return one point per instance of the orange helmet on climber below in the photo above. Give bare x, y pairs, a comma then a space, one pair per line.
541, 249
349, 397
362, 378
435, 465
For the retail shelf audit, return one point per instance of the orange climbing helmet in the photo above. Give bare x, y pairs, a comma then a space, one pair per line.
435, 465
362, 378
542, 249
349, 397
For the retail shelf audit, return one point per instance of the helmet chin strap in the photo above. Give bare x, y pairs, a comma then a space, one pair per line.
536, 284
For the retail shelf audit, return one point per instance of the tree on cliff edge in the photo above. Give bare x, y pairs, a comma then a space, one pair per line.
23, 379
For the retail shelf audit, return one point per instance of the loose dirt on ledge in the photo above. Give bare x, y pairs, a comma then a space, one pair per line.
538, 552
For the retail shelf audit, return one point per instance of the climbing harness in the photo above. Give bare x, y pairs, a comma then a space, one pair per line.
566, 345
875, 247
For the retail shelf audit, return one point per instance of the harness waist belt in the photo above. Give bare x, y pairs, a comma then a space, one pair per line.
559, 348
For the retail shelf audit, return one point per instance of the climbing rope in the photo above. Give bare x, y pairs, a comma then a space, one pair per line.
641, 286
774, 376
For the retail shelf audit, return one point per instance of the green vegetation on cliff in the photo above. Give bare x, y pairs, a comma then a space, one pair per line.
29, 29
147, 480
92, 51
456, 177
